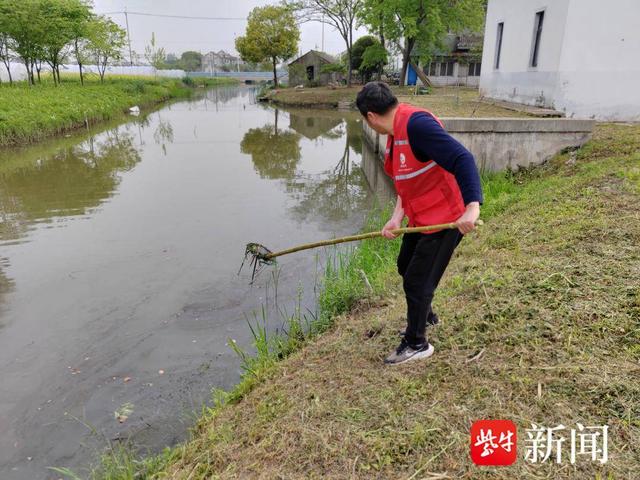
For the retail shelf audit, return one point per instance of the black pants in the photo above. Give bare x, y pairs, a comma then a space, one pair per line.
422, 261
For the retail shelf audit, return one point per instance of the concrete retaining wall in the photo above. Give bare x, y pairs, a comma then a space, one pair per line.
507, 143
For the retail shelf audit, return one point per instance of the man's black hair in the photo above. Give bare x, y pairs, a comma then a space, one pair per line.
375, 97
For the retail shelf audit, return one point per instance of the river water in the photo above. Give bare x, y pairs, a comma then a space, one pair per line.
119, 252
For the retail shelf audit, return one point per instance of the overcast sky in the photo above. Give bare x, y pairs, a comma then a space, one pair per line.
178, 35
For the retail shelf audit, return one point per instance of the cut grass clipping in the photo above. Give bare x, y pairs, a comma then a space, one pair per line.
540, 323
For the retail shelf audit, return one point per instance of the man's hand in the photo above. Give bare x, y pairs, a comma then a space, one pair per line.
391, 225
466, 222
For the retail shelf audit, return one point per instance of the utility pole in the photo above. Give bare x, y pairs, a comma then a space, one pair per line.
237, 58
323, 32
126, 18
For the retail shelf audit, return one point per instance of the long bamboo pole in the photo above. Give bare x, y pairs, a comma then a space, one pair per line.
363, 236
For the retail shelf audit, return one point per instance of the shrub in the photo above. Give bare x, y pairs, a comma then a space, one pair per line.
135, 86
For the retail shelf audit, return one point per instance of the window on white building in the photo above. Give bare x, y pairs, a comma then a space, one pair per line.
537, 32
440, 69
474, 69
496, 63
449, 69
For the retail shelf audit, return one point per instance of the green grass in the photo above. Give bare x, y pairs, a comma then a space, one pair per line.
541, 314
29, 114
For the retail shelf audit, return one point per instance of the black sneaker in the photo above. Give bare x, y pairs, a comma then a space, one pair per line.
406, 352
431, 320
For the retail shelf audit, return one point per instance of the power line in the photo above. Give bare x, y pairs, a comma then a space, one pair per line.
126, 14
126, 18
184, 17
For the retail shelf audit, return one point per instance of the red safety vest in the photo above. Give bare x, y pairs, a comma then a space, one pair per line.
430, 195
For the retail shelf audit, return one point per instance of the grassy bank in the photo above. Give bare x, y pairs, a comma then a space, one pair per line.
29, 114
540, 323
444, 101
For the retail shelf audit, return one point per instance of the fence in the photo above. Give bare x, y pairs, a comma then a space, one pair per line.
244, 75
18, 71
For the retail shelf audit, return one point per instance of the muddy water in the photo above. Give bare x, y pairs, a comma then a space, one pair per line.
119, 249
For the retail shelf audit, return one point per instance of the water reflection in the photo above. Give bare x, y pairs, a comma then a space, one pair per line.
275, 153
335, 192
163, 134
35, 188
320, 124
6, 284
223, 96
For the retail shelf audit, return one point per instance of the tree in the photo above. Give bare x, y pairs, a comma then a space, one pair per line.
373, 61
340, 14
5, 54
171, 60
105, 43
39, 31
404, 22
154, 54
56, 36
80, 21
368, 57
272, 34
358, 49
24, 29
191, 61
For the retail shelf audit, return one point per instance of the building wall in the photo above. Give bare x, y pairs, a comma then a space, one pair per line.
463, 81
600, 62
459, 74
515, 80
585, 65
317, 63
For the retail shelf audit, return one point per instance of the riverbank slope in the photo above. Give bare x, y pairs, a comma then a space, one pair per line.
29, 114
444, 101
540, 314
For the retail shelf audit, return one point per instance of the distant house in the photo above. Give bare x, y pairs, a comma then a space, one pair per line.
576, 56
217, 61
457, 63
307, 69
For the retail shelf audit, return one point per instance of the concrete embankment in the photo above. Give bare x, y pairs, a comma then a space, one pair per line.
508, 143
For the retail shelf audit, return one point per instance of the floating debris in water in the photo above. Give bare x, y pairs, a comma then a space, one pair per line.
123, 412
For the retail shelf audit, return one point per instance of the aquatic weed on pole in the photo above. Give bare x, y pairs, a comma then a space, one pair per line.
260, 255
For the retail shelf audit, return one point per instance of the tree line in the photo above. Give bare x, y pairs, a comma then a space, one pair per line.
47, 32
409, 27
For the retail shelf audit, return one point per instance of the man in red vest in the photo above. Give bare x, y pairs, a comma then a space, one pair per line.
437, 181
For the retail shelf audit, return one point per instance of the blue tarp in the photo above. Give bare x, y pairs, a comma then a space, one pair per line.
412, 76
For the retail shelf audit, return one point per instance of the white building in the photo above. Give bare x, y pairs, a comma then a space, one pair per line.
456, 63
216, 61
581, 57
